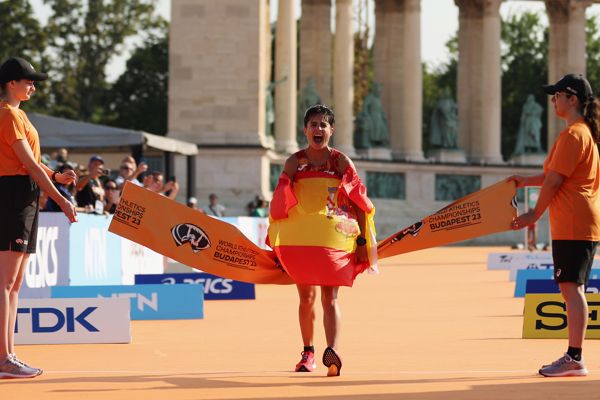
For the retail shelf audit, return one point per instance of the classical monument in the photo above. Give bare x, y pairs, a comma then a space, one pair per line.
220, 76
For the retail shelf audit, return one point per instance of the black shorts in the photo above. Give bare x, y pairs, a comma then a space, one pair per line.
573, 260
19, 209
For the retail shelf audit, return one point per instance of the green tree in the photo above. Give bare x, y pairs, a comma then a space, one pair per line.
363, 58
139, 97
593, 52
83, 38
23, 36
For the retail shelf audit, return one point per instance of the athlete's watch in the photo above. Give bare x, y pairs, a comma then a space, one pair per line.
361, 241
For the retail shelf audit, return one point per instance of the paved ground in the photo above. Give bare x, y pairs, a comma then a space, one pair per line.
434, 324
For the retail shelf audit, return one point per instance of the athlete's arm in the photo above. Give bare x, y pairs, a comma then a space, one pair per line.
290, 167
24, 154
66, 178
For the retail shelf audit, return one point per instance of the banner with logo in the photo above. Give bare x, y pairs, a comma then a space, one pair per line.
94, 253
65, 321
490, 210
193, 238
215, 287
148, 302
49, 266
545, 317
550, 286
524, 275
509, 259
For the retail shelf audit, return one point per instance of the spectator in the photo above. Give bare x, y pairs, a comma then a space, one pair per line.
214, 208
155, 182
128, 171
65, 190
111, 189
262, 210
193, 204
90, 193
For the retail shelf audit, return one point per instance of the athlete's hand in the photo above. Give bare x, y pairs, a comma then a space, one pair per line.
521, 181
524, 220
69, 209
66, 178
361, 255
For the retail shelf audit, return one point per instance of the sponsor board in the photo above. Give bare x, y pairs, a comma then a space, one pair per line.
523, 275
543, 265
510, 259
549, 286
68, 321
545, 317
215, 287
49, 266
138, 260
94, 252
148, 302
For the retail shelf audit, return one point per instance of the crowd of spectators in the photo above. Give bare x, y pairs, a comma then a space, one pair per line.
98, 190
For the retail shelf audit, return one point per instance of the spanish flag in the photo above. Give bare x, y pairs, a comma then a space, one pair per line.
313, 227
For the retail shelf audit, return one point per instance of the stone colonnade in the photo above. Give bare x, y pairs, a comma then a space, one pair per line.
397, 62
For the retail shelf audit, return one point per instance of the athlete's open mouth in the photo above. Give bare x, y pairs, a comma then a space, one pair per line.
318, 139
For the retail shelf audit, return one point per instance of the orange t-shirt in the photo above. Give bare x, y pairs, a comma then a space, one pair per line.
14, 125
575, 208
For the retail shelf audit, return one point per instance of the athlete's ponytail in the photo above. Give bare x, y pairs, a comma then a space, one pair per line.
591, 114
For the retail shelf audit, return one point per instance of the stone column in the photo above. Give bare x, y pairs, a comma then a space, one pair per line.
343, 90
411, 143
397, 64
316, 47
286, 75
566, 52
479, 80
491, 94
218, 99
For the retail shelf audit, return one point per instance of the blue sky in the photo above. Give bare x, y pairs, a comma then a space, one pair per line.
438, 23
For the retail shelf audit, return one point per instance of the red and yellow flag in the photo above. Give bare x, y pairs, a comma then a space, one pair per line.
313, 227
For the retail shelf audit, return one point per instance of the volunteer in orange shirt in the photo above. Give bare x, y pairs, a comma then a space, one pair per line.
21, 177
570, 185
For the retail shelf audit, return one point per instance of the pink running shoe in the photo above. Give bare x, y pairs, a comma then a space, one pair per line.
307, 363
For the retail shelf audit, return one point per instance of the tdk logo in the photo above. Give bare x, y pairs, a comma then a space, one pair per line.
55, 319
215, 285
142, 301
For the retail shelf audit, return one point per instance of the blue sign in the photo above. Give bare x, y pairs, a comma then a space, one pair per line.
215, 287
148, 302
523, 275
549, 286
94, 253
49, 266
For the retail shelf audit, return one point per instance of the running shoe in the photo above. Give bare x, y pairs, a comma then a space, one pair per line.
14, 357
14, 369
307, 362
332, 361
564, 366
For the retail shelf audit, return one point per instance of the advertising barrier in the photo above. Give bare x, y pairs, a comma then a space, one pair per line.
545, 317
49, 266
539, 265
215, 287
523, 275
94, 252
137, 259
67, 321
148, 302
549, 286
510, 259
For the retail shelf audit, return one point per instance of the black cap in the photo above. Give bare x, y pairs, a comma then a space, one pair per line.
16, 68
574, 84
